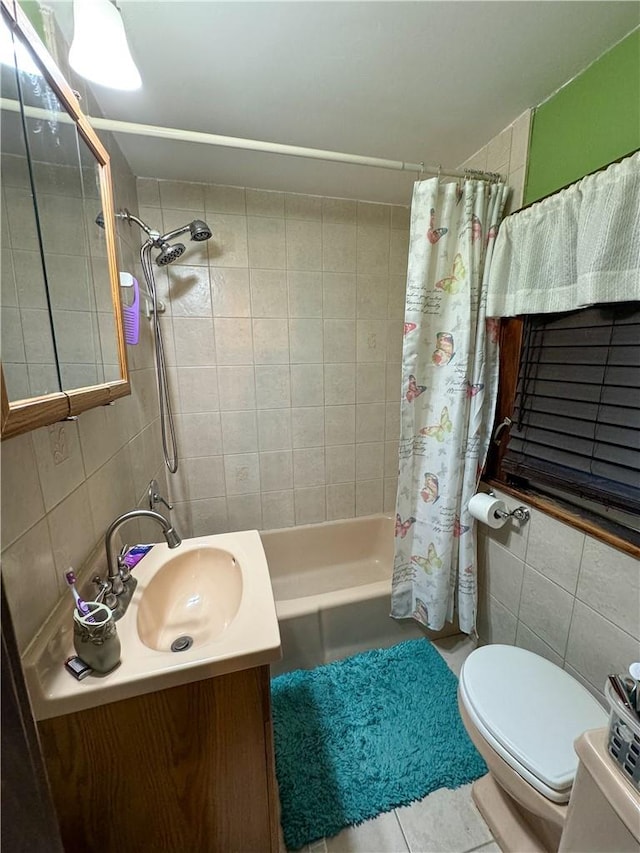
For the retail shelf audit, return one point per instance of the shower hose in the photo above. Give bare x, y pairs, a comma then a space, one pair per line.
167, 428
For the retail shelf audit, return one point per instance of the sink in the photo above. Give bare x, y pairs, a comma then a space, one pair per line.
210, 598
196, 595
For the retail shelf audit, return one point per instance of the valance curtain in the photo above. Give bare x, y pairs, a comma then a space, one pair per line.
579, 247
450, 372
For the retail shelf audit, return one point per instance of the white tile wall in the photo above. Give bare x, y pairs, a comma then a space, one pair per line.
549, 588
286, 347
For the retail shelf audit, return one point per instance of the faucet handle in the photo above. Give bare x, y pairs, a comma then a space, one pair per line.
123, 568
155, 497
101, 583
103, 587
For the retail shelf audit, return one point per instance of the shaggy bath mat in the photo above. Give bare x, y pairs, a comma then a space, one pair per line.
364, 735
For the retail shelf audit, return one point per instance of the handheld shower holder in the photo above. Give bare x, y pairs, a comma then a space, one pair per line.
148, 306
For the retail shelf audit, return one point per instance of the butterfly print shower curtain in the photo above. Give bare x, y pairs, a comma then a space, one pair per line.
450, 377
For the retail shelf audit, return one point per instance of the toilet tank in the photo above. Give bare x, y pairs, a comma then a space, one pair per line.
604, 809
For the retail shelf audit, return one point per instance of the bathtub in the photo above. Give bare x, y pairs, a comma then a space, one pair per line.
332, 585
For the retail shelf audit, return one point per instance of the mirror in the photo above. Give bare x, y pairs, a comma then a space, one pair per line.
28, 353
62, 346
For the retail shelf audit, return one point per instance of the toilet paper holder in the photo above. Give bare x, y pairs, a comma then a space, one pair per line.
520, 513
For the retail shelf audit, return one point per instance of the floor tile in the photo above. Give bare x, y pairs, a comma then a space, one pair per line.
491, 847
380, 835
455, 650
444, 822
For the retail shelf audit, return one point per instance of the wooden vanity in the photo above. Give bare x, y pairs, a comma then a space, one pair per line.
170, 751
188, 769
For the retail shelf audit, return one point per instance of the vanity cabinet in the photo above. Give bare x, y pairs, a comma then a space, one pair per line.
184, 770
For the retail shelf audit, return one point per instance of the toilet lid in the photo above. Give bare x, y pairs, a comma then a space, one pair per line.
533, 709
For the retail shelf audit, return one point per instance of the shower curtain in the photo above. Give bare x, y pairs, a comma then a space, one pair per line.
450, 377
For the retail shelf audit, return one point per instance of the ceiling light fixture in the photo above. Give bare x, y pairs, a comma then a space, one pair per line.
100, 51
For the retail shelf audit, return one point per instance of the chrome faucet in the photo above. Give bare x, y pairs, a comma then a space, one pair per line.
119, 585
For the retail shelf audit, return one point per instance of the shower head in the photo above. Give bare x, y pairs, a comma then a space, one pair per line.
199, 230
170, 253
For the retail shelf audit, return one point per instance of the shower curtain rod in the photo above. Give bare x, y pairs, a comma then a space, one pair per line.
177, 135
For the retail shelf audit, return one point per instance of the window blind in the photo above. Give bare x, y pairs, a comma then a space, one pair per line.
576, 421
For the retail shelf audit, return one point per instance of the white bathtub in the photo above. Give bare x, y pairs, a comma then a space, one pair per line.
332, 587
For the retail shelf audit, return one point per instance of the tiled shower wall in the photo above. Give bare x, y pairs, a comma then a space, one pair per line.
284, 335
62, 485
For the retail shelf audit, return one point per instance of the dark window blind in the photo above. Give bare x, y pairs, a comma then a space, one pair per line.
576, 422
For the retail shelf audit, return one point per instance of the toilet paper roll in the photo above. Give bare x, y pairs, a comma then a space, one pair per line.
486, 509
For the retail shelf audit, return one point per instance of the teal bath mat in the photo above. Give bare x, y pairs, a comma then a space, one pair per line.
364, 735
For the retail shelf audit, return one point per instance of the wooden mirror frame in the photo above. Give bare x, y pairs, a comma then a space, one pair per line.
33, 412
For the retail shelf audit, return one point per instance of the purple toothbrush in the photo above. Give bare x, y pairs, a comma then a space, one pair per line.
81, 604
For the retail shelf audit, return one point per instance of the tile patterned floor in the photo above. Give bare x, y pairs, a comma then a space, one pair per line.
443, 822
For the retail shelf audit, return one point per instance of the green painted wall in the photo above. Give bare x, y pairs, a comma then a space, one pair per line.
31, 8
590, 122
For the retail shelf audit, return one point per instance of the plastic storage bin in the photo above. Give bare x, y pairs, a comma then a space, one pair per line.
623, 740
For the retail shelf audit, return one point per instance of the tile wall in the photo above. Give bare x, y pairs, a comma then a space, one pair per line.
284, 334
62, 485
550, 588
506, 154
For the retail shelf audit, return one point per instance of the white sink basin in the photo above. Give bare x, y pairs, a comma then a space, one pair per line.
195, 594
213, 590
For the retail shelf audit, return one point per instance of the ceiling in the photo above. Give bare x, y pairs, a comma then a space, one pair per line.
413, 81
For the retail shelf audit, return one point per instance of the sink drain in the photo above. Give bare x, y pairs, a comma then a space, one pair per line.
181, 644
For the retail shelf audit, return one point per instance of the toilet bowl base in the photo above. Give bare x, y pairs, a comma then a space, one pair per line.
515, 829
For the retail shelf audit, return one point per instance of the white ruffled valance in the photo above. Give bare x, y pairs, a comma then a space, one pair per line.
579, 247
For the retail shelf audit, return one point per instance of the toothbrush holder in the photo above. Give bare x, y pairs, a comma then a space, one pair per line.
95, 637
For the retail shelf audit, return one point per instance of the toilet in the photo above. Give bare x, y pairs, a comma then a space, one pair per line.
523, 713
